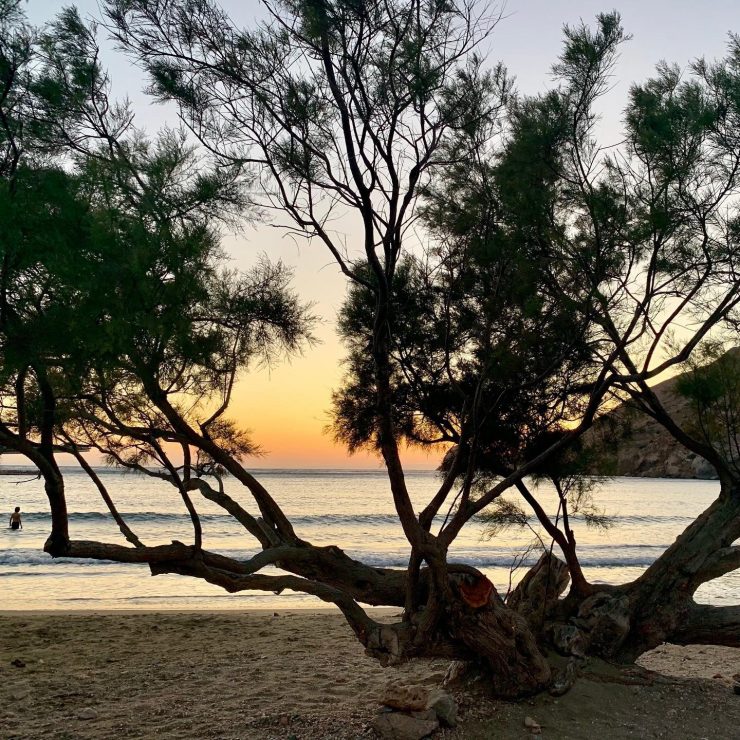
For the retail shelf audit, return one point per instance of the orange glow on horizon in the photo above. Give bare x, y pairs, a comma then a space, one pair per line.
286, 411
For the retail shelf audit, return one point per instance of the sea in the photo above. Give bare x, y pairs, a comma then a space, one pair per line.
351, 509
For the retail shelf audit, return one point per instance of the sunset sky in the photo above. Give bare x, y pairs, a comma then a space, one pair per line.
286, 406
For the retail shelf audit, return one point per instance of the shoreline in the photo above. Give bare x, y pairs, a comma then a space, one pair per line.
272, 674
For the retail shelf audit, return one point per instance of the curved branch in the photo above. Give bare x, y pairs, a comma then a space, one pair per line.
122, 554
724, 561
269, 508
266, 536
126, 531
567, 547
219, 570
358, 619
709, 625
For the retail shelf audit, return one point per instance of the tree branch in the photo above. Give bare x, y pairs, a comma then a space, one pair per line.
709, 625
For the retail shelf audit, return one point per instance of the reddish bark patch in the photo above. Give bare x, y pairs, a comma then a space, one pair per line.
478, 593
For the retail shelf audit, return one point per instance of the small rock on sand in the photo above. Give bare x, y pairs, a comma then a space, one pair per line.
532, 725
87, 713
444, 706
405, 698
394, 726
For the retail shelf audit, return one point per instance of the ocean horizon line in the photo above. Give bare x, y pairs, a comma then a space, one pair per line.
16, 470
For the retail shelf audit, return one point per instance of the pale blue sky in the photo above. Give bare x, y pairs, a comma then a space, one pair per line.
528, 38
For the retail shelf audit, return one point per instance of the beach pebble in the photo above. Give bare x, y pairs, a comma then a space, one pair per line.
18, 663
397, 726
532, 725
284, 721
87, 713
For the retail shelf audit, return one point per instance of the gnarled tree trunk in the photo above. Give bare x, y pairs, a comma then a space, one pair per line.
486, 632
622, 622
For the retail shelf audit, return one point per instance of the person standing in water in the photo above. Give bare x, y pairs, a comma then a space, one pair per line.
15, 519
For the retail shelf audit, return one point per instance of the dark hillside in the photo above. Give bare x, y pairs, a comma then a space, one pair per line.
640, 447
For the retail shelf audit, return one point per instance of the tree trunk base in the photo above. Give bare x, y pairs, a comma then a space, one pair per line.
502, 641
492, 636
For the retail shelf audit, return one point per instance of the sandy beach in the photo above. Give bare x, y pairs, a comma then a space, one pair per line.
302, 675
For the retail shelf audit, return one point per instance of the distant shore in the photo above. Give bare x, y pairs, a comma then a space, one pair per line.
264, 674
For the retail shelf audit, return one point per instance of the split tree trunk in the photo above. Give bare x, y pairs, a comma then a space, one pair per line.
622, 622
493, 636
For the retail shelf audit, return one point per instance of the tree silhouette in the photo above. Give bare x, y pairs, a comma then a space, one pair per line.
548, 281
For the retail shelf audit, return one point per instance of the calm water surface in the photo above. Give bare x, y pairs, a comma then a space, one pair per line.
351, 509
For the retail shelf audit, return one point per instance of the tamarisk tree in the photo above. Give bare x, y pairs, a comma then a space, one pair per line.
546, 285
